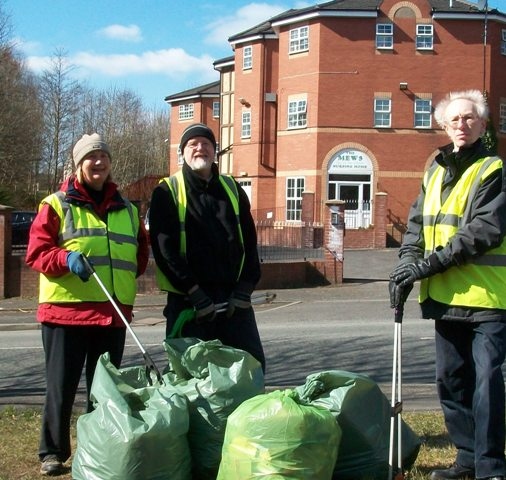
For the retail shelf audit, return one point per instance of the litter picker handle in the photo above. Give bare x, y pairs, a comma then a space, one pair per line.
150, 366
399, 313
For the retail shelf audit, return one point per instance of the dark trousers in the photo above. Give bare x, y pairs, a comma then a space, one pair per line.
239, 331
66, 350
470, 385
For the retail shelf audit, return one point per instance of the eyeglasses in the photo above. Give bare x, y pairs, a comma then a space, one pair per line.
468, 119
204, 143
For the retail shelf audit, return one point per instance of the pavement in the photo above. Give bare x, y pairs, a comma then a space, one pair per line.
360, 266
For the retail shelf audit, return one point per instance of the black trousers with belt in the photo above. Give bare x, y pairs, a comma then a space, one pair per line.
66, 350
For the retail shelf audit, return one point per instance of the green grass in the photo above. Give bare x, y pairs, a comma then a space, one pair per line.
19, 438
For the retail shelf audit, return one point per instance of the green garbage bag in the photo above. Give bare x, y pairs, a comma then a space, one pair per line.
215, 379
279, 436
363, 413
136, 431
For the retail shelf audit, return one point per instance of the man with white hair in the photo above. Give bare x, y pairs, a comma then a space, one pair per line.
455, 245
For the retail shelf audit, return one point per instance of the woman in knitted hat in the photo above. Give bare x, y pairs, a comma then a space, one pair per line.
86, 217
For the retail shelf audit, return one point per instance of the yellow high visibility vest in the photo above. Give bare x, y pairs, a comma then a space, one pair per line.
111, 248
178, 190
482, 282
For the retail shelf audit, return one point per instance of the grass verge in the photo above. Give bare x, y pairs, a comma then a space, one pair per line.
20, 436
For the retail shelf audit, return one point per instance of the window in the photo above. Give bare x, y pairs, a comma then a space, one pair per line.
247, 58
423, 110
294, 189
384, 35
297, 114
424, 37
503, 43
216, 109
502, 117
246, 125
382, 112
299, 40
186, 111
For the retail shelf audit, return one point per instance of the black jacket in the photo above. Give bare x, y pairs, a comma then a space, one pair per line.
483, 232
213, 247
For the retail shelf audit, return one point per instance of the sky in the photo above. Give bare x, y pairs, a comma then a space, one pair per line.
154, 48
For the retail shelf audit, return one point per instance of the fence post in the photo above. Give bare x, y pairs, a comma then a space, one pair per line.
307, 218
380, 220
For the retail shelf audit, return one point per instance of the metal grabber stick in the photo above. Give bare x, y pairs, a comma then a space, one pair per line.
150, 366
396, 400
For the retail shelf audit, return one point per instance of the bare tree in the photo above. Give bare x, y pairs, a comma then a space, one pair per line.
60, 95
20, 125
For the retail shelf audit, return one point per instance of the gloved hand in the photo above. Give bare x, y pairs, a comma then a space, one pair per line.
398, 294
205, 310
238, 300
77, 266
409, 273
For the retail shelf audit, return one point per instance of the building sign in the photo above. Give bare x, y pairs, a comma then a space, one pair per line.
350, 162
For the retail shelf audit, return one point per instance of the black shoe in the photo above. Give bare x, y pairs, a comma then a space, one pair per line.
455, 472
52, 466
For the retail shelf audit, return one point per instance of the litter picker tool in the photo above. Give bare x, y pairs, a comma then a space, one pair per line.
188, 314
150, 366
396, 402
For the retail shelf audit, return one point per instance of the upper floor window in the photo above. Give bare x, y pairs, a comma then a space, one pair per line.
423, 110
216, 109
186, 111
247, 58
384, 35
294, 190
299, 40
502, 117
246, 125
503, 42
424, 37
382, 112
297, 114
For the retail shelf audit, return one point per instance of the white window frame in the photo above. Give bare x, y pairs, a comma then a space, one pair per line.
423, 113
216, 109
294, 188
503, 42
502, 117
384, 36
186, 111
297, 113
382, 112
247, 57
424, 36
246, 124
299, 40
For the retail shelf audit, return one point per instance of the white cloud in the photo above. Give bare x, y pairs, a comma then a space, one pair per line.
130, 33
172, 62
244, 18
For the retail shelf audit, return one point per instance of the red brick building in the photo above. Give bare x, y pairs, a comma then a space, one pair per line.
336, 99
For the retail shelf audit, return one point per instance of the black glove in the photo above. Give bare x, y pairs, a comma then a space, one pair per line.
76, 265
398, 294
407, 273
205, 310
238, 300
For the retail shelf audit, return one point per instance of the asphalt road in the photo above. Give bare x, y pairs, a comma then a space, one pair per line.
304, 331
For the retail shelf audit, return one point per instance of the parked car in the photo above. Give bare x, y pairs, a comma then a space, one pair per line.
21, 222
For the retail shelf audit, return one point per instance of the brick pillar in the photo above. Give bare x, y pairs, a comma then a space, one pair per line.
380, 220
5, 248
333, 222
307, 218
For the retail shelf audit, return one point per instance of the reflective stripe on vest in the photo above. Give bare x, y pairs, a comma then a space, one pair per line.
482, 282
111, 248
178, 190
